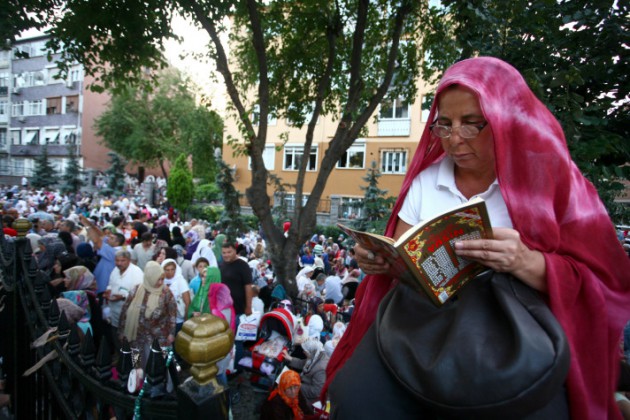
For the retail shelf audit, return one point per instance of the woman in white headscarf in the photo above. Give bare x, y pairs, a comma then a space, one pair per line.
204, 249
175, 282
313, 368
149, 313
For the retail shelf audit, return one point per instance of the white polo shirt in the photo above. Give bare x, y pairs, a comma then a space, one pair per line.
434, 191
122, 285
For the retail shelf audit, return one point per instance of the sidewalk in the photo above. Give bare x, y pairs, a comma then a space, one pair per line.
246, 406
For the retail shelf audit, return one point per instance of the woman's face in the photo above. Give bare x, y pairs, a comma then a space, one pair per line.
459, 106
202, 269
292, 391
169, 271
161, 256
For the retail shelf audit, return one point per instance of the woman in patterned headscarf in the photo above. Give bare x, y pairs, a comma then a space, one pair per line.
149, 312
286, 402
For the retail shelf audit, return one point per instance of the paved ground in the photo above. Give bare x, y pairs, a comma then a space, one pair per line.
247, 399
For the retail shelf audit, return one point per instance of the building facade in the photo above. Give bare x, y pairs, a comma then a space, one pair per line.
37, 109
391, 141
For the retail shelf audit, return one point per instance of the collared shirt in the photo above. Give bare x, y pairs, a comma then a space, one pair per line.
434, 191
122, 284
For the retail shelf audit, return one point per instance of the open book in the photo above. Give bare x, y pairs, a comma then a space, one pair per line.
424, 257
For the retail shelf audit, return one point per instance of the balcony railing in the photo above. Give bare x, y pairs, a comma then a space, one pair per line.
394, 127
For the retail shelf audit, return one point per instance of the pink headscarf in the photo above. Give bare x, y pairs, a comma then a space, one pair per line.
220, 299
587, 270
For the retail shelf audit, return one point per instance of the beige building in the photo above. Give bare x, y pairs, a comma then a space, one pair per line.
391, 141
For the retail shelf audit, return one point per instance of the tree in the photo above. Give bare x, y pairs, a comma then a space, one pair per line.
376, 205
288, 58
572, 56
152, 127
115, 174
72, 178
231, 222
180, 188
44, 174
292, 59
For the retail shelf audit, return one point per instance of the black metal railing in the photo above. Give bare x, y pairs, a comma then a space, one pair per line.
75, 378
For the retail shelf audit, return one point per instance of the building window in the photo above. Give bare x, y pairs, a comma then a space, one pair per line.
52, 136
350, 208
293, 156
3, 137
4, 107
53, 106
396, 109
22, 51
393, 118
18, 165
289, 201
69, 135
31, 137
271, 119
17, 109
4, 166
75, 75
36, 107
269, 157
4, 79
353, 158
16, 137
426, 107
72, 104
303, 119
394, 161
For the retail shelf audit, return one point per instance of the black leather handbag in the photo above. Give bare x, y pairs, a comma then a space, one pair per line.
494, 351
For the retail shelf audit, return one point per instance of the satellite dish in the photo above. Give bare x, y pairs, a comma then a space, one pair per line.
38, 76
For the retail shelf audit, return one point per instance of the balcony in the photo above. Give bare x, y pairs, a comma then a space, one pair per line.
394, 127
4, 119
36, 149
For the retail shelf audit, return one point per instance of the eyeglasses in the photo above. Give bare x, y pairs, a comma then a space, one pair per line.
466, 131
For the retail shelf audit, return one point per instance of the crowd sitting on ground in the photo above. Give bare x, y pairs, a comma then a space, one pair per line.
122, 269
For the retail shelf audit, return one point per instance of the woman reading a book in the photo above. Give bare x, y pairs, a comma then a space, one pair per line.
491, 137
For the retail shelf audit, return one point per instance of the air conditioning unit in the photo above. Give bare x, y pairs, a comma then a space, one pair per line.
69, 84
21, 118
17, 91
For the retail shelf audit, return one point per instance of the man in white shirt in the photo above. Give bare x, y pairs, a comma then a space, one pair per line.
122, 280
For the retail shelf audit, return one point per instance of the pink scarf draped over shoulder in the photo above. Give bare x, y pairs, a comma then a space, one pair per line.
556, 211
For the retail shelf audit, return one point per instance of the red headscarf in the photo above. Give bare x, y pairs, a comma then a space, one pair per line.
587, 270
288, 379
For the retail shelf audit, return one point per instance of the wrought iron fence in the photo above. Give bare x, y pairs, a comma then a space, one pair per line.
71, 378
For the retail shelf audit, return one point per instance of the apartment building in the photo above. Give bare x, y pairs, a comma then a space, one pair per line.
391, 141
39, 108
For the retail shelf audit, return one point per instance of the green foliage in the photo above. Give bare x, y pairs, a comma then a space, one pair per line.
207, 192
72, 178
231, 222
44, 174
149, 128
180, 188
206, 212
570, 53
115, 175
376, 205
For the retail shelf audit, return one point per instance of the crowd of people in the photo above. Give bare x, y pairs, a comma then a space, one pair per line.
122, 269
126, 271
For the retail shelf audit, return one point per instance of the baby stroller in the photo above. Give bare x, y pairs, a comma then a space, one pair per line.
265, 359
